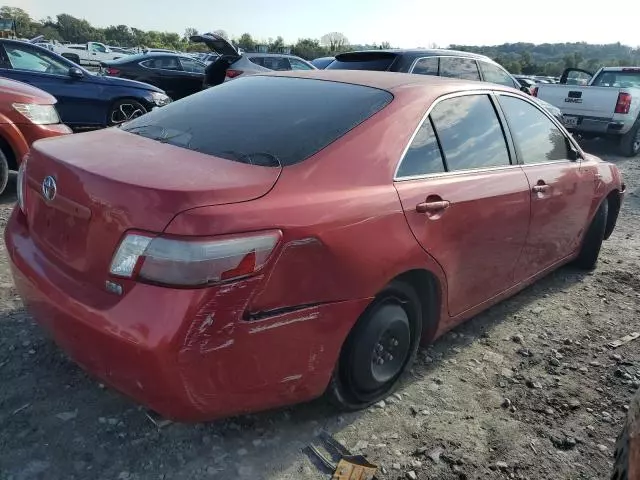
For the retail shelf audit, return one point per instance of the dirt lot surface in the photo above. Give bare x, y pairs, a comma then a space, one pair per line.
529, 389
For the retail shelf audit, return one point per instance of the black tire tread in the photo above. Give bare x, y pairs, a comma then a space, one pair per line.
626, 141
4, 172
592, 242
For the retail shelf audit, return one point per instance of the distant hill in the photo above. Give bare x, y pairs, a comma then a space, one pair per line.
552, 58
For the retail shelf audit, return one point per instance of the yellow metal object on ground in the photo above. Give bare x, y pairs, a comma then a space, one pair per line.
354, 468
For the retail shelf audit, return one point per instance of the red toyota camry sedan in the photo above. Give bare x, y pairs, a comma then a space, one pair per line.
285, 235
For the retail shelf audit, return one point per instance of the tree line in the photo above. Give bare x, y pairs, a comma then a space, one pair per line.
525, 58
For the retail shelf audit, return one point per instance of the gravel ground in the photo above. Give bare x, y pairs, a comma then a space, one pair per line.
528, 389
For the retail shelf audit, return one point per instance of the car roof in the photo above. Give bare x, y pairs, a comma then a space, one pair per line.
392, 81
424, 52
271, 54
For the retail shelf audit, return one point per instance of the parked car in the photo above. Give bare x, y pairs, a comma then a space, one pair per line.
228, 282
178, 75
85, 100
322, 62
90, 53
444, 63
27, 114
526, 82
604, 104
232, 64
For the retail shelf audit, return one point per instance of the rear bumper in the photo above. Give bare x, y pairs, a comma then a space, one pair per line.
187, 354
596, 125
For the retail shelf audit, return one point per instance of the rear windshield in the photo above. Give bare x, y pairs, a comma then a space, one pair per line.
378, 61
621, 79
262, 120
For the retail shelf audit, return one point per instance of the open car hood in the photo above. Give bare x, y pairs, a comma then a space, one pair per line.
216, 44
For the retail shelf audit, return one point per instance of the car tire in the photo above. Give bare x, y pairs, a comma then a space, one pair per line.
4, 172
590, 250
627, 453
74, 58
379, 350
124, 110
630, 142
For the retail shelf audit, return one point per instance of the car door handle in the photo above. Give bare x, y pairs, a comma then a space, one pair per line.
541, 187
432, 206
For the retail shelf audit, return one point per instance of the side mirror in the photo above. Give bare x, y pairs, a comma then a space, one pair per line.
526, 90
75, 72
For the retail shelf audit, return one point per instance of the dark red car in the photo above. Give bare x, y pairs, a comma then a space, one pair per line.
285, 235
27, 114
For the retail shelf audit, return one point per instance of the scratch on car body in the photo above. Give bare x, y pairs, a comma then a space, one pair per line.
292, 378
262, 328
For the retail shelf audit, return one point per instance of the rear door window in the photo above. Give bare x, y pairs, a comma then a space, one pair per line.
262, 120
536, 136
190, 65
470, 133
459, 67
298, 64
495, 74
423, 155
426, 66
377, 61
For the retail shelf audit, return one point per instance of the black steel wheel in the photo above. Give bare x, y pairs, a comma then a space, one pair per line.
379, 350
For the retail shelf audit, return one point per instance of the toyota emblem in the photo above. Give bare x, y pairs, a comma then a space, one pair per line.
49, 188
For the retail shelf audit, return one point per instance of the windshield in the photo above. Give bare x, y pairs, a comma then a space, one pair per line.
377, 61
262, 120
620, 79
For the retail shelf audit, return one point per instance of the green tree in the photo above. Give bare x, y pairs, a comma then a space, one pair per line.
246, 42
76, 30
120, 35
309, 48
276, 44
189, 32
335, 41
24, 24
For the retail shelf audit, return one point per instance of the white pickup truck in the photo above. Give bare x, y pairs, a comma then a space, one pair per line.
90, 53
604, 104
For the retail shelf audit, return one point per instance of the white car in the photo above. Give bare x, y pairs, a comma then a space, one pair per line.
90, 53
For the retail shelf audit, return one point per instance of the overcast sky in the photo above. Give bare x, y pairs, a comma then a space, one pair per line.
404, 23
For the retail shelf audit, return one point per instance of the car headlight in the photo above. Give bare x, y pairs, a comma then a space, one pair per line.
160, 99
38, 114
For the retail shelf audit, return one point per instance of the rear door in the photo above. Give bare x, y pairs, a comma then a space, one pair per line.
465, 201
562, 186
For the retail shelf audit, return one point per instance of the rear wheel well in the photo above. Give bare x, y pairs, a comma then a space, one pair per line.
9, 154
427, 288
613, 199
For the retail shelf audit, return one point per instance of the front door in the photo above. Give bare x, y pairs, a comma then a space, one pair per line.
562, 187
78, 103
465, 202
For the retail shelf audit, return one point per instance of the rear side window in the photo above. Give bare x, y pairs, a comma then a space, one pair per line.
470, 133
423, 155
426, 66
458, 67
378, 61
537, 137
262, 120
494, 74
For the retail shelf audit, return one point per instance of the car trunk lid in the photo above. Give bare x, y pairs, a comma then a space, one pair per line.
96, 195
216, 44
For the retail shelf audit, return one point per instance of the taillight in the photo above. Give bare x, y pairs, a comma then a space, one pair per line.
534, 91
190, 262
623, 105
21, 184
112, 71
234, 73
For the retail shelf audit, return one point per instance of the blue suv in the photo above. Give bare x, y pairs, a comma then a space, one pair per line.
85, 100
